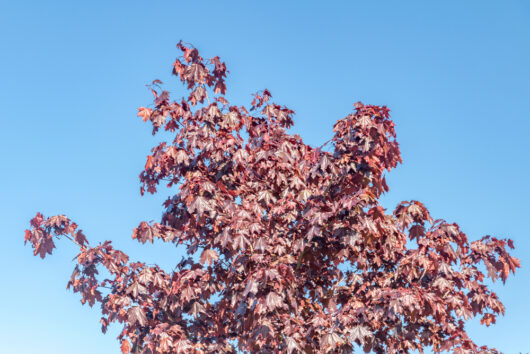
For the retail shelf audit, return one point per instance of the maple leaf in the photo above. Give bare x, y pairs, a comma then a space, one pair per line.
194, 73
149, 162
44, 246
313, 231
165, 343
416, 231
487, 319
125, 346
144, 232
80, 238
145, 276
273, 301
145, 113
136, 288
292, 345
200, 205
182, 346
136, 315
220, 87
239, 242
27, 236
266, 196
196, 308
37, 220
359, 333
182, 157
198, 95
331, 341
251, 287
260, 244
208, 256
188, 294
224, 238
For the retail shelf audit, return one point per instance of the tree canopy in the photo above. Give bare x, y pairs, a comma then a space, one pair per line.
288, 248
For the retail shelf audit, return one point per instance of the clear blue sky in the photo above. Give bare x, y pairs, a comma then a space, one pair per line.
455, 74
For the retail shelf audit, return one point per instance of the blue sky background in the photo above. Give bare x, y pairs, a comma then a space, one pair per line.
454, 73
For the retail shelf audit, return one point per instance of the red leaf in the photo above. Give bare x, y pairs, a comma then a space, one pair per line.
136, 315
149, 162
27, 236
208, 256
145, 113
125, 346
80, 238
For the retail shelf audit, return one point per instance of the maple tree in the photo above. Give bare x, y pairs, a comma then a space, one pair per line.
288, 248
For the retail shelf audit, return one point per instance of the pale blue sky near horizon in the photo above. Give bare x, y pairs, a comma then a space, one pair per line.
455, 75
